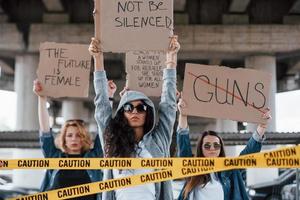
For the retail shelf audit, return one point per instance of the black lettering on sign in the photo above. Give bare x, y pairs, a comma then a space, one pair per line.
62, 80
129, 6
148, 69
142, 22
233, 92
156, 6
56, 52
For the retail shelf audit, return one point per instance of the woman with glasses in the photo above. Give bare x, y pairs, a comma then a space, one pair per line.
226, 185
73, 141
133, 131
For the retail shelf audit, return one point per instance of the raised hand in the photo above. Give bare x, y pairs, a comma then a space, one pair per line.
261, 128
173, 49
112, 88
37, 87
95, 47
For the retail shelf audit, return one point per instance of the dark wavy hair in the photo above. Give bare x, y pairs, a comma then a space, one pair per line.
119, 136
205, 178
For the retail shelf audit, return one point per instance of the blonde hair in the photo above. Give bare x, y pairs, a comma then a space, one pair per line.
60, 140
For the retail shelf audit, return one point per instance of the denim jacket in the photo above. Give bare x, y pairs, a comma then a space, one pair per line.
157, 141
231, 180
50, 151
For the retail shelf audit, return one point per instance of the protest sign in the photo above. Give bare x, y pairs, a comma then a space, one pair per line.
135, 25
145, 71
226, 93
64, 69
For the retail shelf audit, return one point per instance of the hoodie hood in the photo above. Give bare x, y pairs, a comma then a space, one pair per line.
133, 96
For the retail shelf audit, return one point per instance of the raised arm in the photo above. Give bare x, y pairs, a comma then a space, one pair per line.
46, 138
167, 105
183, 138
255, 142
42, 107
103, 110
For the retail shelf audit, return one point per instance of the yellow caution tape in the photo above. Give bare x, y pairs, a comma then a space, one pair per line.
282, 158
174, 168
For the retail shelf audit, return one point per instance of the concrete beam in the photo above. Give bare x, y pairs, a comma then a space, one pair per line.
295, 8
10, 38
215, 62
6, 68
210, 40
235, 19
291, 19
181, 19
179, 5
239, 6
53, 5
61, 18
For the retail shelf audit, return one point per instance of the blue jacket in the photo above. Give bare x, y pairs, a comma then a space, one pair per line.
50, 151
157, 141
231, 180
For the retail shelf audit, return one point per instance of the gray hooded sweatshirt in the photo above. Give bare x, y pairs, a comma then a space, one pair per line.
157, 140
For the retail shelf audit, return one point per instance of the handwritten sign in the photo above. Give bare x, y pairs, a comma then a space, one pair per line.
64, 69
145, 71
135, 25
222, 92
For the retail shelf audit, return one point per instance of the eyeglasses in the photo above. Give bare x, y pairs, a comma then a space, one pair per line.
208, 145
128, 107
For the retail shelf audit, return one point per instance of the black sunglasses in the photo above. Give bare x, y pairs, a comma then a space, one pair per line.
128, 107
208, 145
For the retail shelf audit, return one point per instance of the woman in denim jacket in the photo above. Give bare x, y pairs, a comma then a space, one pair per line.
133, 131
73, 142
226, 185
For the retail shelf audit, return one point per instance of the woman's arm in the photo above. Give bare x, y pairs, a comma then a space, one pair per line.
103, 110
167, 105
183, 136
46, 138
255, 142
42, 107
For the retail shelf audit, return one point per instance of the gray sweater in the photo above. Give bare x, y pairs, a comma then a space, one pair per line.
157, 140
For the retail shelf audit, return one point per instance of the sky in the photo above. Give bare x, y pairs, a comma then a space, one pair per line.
287, 111
8, 107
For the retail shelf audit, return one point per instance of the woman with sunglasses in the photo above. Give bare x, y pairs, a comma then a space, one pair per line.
73, 142
226, 185
133, 131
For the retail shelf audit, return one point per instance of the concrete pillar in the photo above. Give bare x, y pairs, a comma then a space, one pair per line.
25, 73
73, 109
268, 64
223, 126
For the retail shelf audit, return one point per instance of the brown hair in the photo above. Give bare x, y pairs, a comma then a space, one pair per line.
60, 140
201, 180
